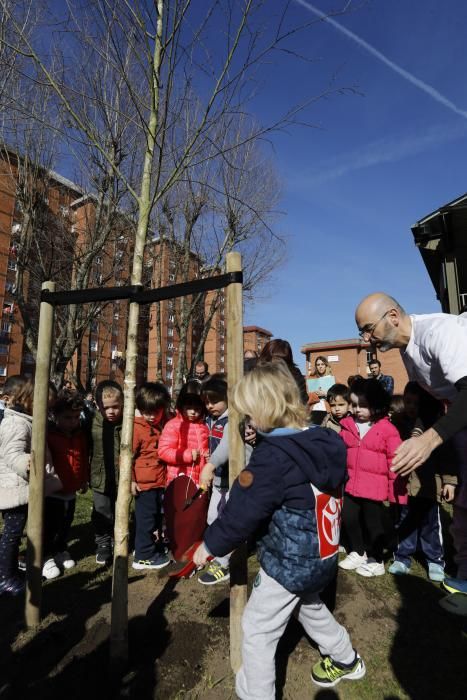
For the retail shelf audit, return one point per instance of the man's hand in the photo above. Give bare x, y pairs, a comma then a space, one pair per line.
135, 489
448, 492
201, 555
414, 452
207, 475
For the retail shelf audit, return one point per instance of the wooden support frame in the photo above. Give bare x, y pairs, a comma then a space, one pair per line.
232, 281
238, 562
32, 610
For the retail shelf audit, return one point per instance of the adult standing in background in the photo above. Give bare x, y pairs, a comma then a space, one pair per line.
386, 380
316, 399
434, 351
201, 372
279, 349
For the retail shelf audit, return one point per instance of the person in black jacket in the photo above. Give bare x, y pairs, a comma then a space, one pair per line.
292, 488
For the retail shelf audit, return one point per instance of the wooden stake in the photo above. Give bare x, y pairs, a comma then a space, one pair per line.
119, 608
238, 561
37, 466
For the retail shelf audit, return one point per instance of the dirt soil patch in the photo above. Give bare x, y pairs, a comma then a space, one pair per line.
179, 639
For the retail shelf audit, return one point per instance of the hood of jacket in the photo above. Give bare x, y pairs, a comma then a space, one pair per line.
319, 454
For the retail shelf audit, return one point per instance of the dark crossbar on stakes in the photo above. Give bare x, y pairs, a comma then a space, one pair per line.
136, 293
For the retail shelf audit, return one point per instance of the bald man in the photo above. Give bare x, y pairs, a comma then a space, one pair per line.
434, 351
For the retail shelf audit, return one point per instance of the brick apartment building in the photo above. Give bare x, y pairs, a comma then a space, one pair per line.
255, 338
351, 356
101, 354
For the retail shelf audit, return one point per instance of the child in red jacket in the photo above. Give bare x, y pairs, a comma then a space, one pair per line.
149, 475
184, 446
371, 441
68, 447
184, 440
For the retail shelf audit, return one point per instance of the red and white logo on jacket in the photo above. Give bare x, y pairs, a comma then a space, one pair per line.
328, 509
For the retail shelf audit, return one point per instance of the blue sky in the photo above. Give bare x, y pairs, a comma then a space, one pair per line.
382, 158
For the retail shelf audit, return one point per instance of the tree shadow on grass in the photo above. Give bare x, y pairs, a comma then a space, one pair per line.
429, 649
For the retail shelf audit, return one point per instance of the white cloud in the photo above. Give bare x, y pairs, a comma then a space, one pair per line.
388, 150
405, 74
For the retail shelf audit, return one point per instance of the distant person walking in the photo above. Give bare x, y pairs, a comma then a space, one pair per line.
386, 380
433, 349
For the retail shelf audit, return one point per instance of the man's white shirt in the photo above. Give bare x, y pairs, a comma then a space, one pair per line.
436, 355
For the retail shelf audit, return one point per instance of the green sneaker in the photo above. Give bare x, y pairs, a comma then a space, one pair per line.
328, 673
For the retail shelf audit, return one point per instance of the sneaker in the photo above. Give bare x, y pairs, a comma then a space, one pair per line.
215, 573
157, 562
398, 568
435, 572
455, 585
352, 561
104, 556
13, 585
328, 673
64, 560
50, 570
371, 568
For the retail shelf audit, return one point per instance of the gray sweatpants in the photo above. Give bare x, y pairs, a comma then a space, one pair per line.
219, 498
265, 618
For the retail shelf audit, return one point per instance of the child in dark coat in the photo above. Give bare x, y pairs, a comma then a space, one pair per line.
293, 488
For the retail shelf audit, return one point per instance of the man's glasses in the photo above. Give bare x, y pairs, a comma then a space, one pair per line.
368, 330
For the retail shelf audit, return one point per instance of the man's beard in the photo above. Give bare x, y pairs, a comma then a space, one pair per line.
389, 341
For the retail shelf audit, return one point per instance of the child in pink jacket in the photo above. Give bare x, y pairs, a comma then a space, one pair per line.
183, 444
371, 441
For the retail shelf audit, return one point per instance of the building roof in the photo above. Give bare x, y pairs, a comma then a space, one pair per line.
334, 344
257, 329
435, 235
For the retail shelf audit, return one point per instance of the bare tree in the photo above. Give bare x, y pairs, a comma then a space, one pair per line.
165, 53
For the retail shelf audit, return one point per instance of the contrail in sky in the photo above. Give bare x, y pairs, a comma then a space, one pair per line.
424, 87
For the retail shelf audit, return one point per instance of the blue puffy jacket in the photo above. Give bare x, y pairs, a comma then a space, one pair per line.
293, 487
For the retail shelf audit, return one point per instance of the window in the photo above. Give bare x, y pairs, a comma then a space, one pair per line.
93, 345
28, 359
8, 308
169, 374
370, 355
12, 265
170, 346
6, 327
171, 277
170, 331
171, 318
2, 371
10, 287
94, 326
3, 349
116, 315
169, 361
222, 359
172, 264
